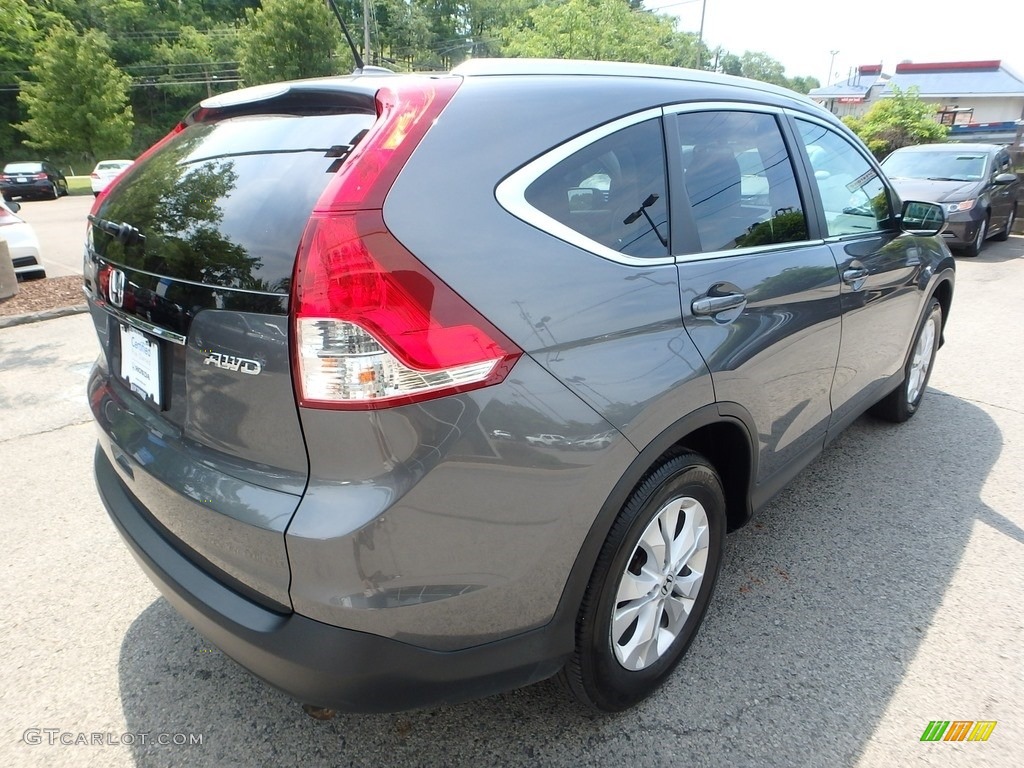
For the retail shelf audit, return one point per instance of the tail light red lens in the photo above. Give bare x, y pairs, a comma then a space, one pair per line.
40, 176
373, 327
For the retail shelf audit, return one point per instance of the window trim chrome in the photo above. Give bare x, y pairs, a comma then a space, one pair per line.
687, 258
511, 192
136, 322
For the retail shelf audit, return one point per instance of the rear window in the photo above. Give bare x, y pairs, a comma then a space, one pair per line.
112, 165
226, 203
23, 168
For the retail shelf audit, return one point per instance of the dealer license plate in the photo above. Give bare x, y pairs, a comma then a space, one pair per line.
140, 363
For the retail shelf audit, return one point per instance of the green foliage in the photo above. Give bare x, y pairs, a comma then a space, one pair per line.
18, 36
77, 99
760, 66
196, 59
287, 40
176, 52
608, 30
898, 121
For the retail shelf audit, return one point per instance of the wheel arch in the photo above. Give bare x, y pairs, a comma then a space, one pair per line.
721, 433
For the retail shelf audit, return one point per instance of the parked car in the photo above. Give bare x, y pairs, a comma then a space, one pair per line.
974, 182
33, 179
455, 257
105, 172
22, 242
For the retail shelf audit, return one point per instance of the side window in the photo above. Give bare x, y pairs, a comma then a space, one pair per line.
1003, 162
612, 191
854, 198
739, 180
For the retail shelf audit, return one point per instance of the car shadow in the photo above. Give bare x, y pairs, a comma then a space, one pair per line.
997, 252
822, 605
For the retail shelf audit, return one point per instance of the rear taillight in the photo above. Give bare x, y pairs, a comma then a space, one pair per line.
373, 327
40, 176
94, 175
6, 217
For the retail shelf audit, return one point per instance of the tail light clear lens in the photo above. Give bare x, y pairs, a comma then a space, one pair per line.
373, 327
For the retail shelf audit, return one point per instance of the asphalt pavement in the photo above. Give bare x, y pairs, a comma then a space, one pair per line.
880, 591
60, 227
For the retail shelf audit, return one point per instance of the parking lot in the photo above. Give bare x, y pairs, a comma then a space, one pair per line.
882, 590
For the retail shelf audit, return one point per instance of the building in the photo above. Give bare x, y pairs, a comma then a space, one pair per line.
856, 94
978, 100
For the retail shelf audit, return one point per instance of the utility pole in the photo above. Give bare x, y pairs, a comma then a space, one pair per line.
831, 62
700, 35
366, 32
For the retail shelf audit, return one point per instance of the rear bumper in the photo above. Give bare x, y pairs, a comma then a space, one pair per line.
314, 662
41, 188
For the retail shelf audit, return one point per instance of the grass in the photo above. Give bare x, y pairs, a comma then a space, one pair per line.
79, 185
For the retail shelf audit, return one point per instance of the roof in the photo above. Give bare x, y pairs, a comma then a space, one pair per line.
490, 67
842, 90
957, 78
855, 87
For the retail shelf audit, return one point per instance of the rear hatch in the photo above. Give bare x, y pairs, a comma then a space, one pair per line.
188, 268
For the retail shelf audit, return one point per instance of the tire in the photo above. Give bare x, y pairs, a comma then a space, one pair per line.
616, 663
1003, 236
55, 191
903, 402
979, 239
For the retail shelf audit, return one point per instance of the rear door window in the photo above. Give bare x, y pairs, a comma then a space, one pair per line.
739, 180
612, 192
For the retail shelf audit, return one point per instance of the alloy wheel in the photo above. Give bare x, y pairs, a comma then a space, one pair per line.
662, 580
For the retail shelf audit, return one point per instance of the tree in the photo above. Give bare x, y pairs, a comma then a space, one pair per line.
600, 30
804, 84
17, 41
900, 120
287, 40
77, 99
758, 65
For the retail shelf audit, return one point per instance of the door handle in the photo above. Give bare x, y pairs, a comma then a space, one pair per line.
854, 274
712, 305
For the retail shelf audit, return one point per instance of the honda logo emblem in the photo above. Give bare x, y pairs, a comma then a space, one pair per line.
115, 289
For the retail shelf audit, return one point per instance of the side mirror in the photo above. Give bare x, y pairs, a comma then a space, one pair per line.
1005, 178
924, 219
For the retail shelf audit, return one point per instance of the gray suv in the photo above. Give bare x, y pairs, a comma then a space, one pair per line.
418, 388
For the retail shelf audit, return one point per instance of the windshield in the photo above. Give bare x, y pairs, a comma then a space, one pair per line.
944, 166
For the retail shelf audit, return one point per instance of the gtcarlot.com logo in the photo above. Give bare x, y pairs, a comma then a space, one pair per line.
55, 736
958, 730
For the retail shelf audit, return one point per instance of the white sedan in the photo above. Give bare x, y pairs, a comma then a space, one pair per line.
21, 241
105, 172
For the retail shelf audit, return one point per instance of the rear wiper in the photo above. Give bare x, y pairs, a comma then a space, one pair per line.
123, 232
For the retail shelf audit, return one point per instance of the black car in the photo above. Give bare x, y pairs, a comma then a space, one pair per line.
975, 184
32, 179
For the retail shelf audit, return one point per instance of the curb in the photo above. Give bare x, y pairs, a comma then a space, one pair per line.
35, 317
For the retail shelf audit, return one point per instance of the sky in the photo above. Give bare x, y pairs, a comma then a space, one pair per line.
802, 33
